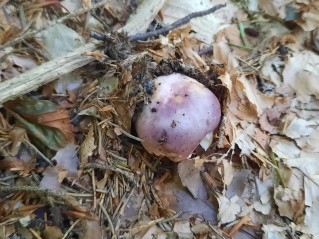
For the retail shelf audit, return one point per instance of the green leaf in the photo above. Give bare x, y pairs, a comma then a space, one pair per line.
29, 107
52, 138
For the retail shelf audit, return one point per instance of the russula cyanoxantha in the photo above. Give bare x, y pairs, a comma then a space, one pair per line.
181, 112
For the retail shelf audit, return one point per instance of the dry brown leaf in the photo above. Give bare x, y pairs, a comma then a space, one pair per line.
12, 164
179, 43
87, 147
59, 119
232, 35
199, 162
188, 46
223, 55
274, 231
309, 16
15, 65
16, 135
206, 26
176, 197
274, 8
227, 172
301, 74
190, 177
290, 202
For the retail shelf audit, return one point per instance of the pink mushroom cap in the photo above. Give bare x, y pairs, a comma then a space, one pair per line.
181, 113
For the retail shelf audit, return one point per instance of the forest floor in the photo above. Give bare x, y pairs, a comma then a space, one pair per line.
74, 75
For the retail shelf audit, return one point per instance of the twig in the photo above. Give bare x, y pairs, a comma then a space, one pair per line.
35, 234
254, 68
183, 21
122, 161
49, 194
26, 35
39, 152
121, 211
172, 217
107, 218
128, 175
94, 189
46, 72
70, 228
239, 224
122, 130
34, 49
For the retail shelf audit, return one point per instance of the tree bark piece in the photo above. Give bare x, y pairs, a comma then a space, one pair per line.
47, 72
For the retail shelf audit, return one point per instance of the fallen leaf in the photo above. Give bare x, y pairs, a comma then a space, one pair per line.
16, 135
183, 229
290, 202
12, 164
301, 74
272, 231
190, 177
309, 19
52, 138
87, 147
175, 196
228, 209
67, 163
43, 120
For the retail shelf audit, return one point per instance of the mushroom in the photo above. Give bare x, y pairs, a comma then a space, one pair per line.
180, 114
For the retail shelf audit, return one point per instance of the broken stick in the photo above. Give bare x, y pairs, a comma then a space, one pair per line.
47, 72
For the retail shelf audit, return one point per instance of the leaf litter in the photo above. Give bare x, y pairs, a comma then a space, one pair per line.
68, 150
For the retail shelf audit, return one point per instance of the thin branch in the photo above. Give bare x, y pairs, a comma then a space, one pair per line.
183, 21
128, 175
51, 196
45, 73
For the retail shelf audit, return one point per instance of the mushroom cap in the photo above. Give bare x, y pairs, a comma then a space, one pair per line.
181, 113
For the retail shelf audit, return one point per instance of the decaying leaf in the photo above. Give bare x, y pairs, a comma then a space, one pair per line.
87, 146
190, 177
205, 27
183, 229
228, 209
66, 165
43, 121
301, 74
